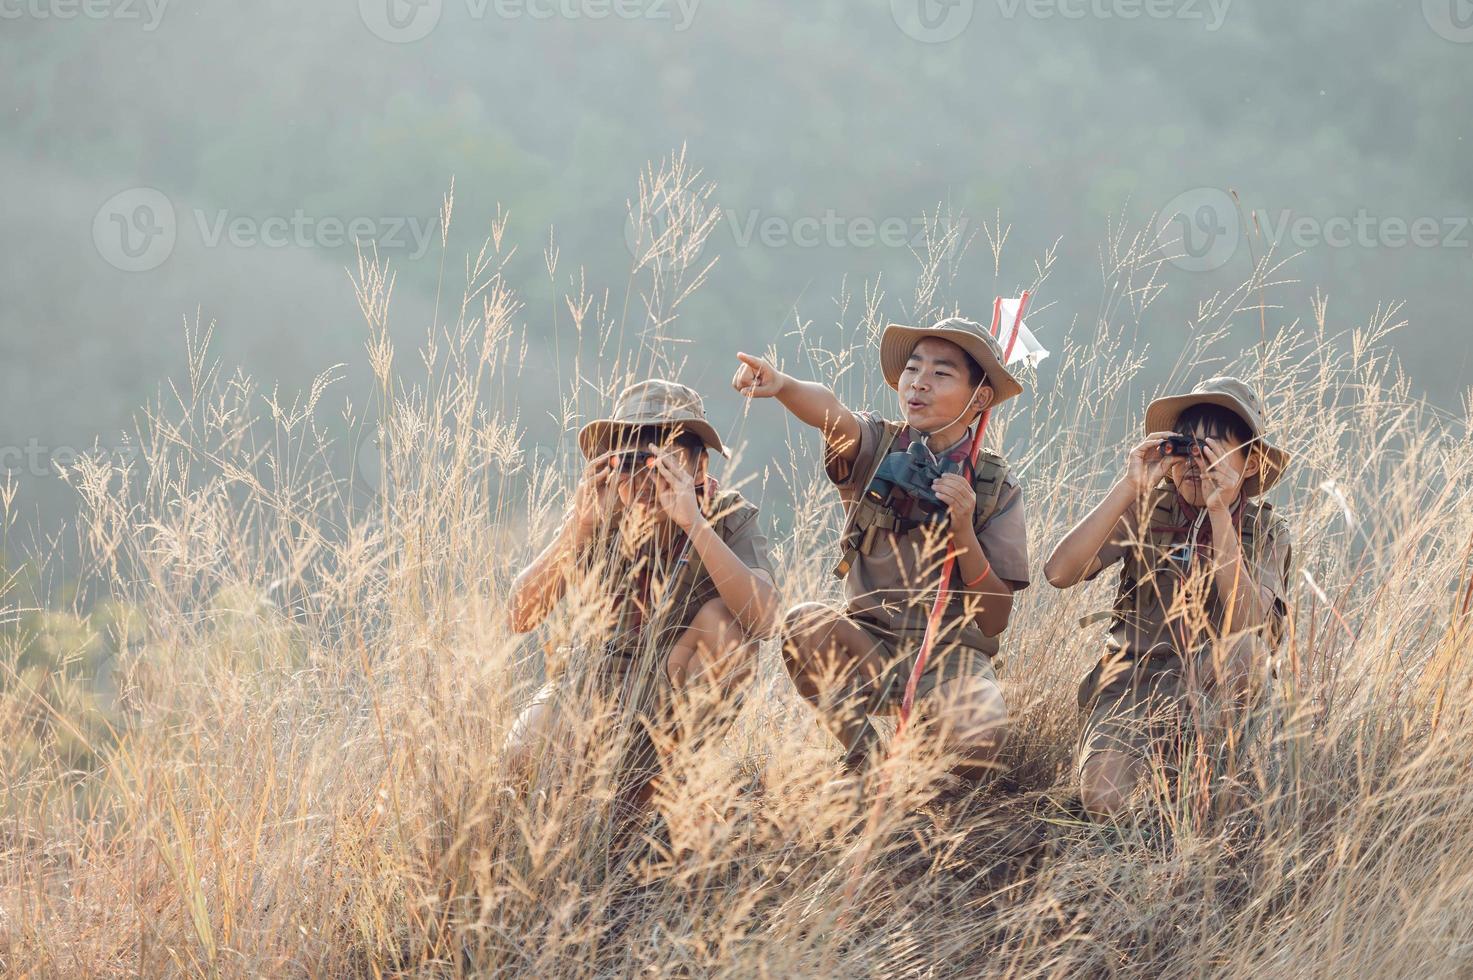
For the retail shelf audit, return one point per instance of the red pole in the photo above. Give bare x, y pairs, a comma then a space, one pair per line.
943, 589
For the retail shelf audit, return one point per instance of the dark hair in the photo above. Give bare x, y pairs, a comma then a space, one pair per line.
1216, 422
975, 374
690, 441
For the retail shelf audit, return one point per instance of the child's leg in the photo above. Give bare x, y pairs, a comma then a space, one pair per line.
1107, 778
1232, 715
532, 735
1111, 759
708, 667
834, 664
974, 721
713, 650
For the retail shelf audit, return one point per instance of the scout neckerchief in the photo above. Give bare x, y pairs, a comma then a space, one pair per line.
1197, 545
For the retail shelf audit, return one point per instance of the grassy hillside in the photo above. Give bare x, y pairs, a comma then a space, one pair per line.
266, 738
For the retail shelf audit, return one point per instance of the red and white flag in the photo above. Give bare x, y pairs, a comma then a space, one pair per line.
1026, 348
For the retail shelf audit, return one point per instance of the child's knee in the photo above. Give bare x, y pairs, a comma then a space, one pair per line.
715, 630
805, 620
975, 716
1105, 783
803, 627
712, 636
530, 733
714, 618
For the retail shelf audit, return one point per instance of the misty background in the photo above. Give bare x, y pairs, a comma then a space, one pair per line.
171, 159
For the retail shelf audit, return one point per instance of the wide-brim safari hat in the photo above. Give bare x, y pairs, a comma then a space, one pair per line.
898, 342
1237, 396
654, 402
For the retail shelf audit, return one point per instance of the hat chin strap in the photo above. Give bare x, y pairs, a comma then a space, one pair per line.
926, 436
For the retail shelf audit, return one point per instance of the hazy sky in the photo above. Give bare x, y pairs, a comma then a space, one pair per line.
171, 156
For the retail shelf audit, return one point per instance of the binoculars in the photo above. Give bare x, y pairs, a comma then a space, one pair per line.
1179, 445
913, 472
634, 460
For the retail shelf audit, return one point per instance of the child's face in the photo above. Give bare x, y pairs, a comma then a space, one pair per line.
639, 491
1231, 469
935, 387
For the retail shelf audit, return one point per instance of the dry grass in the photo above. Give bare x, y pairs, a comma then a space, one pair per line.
297, 768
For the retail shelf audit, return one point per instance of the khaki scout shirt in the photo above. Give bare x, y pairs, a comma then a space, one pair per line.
1178, 604
895, 585
640, 584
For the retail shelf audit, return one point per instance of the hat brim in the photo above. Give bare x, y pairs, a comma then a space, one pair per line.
1161, 416
598, 436
898, 342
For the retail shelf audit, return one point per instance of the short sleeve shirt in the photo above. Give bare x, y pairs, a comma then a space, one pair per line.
1172, 591
640, 585
895, 585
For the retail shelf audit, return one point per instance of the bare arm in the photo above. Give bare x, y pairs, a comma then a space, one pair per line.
541, 584
997, 595
1247, 603
811, 403
979, 580
749, 594
1076, 557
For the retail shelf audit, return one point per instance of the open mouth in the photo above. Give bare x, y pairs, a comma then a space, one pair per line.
913, 405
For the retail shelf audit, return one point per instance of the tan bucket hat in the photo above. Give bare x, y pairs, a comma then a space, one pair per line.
1238, 396
653, 402
898, 342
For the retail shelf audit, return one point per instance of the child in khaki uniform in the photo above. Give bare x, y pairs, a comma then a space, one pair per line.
1203, 589
855, 662
681, 563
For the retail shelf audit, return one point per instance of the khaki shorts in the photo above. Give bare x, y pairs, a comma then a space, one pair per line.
899, 649
1143, 707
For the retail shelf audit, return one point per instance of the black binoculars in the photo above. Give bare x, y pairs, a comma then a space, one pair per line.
1179, 445
913, 471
